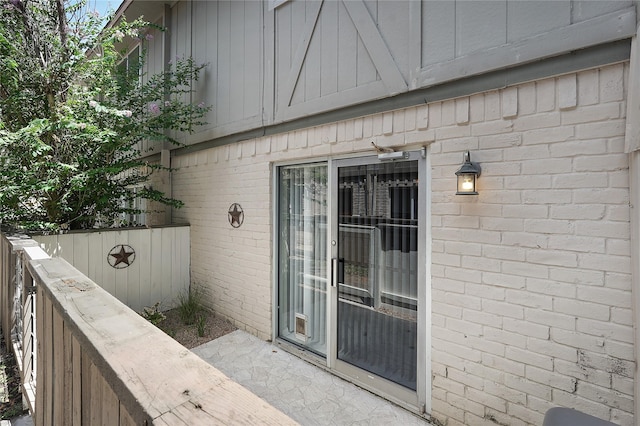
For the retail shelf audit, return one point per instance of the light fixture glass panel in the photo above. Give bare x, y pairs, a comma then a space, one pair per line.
466, 184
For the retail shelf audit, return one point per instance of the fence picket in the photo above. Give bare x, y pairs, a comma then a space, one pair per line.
58, 374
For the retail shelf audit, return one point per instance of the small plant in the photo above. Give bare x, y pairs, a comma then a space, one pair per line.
190, 306
153, 314
202, 322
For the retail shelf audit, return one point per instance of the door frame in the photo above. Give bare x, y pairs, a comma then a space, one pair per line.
420, 400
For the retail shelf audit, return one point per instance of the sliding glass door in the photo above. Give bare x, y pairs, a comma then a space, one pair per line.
352, 270
377, 259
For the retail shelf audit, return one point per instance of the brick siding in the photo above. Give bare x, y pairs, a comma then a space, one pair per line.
530, 280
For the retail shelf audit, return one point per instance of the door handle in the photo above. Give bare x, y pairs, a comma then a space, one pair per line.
337, 271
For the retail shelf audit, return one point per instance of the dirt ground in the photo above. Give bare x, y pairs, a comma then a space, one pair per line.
10, 396
187, 335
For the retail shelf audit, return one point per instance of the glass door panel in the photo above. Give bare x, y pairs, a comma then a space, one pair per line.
302, 247
377, 268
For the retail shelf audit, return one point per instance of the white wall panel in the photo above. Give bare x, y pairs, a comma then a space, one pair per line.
581, 10
480, 25
438, 31
522, 22
159, 272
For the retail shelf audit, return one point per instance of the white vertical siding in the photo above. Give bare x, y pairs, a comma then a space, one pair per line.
159, 273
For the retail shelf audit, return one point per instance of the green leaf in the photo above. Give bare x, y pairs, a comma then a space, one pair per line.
64, 159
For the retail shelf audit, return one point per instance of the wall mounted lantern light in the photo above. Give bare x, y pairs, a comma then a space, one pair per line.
467, 175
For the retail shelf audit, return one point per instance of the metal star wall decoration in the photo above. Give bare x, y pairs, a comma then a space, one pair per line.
121, 256
236, 215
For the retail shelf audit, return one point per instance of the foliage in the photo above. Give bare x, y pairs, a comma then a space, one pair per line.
153, 314
190, 305
201, 324
75, 109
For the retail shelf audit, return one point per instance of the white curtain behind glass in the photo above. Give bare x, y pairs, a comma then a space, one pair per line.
302, 254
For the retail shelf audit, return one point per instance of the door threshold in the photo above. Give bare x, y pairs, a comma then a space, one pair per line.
320, 362
302, 353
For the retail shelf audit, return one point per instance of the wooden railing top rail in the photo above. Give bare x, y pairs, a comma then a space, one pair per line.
158, 380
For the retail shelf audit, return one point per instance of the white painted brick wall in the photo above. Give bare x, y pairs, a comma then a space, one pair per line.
531, 286
549, 166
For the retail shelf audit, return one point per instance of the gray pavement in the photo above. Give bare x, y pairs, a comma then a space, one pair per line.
306, 393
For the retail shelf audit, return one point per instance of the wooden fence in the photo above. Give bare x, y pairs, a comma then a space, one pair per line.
158, 271
98, 362
17, 308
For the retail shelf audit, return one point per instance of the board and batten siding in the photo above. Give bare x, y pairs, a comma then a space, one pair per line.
154, 64
454, 29
159, 272
337, 53
269, 66
227, 36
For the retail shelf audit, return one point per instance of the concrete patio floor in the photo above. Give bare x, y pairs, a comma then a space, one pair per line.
304, 392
